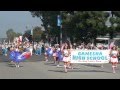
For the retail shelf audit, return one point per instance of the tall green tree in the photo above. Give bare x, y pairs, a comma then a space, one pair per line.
10, 34
37, 32
49, 21
115, 23
85, 25
78, 25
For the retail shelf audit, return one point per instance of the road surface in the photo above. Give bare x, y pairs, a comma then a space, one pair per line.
37, 68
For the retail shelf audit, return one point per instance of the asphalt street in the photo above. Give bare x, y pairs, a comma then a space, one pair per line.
37, 68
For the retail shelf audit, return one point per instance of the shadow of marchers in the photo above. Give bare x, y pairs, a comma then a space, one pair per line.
91, 65
50, 64
13, 65
28, 60
74, 70
62, 71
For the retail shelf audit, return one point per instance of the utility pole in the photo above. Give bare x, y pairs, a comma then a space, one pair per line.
60, 35
59, 21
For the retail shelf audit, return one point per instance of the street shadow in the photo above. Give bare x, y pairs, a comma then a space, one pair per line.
75, 70
50, 64
29, 60
12, 65
91, 65
62, 71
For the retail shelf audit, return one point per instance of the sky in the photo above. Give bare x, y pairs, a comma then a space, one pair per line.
17, 20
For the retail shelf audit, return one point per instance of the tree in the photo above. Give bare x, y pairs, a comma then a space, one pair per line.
43, 36
85, 25
37, 32
49, 21
78, 25
10, 34
115, 23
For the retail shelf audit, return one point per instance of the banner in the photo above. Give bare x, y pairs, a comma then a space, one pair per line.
90, 56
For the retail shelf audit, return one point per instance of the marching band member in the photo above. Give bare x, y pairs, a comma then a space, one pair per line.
48, 53
66, 55
54, 55
114, 57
